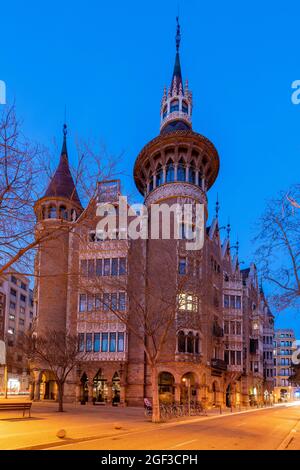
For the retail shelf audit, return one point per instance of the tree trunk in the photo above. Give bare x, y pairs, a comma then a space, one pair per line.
155, 395
60, 387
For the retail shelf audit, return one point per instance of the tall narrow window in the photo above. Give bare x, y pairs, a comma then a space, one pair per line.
99, 267
112, 342
91, 268
96, 342
170, 172
104, 342
122, 301
226, 301
114, 301
239, 358
200, 179
226, 356
238, 301
190, 343
192, 175
89, 342
82, 303
181, 342
106, 301
106, 270
197, 344
122, 266
52, 212
232, 301
90, 302
232, 358
114, 266
181, 171
121, 345
98, 302
83, 267
81, 342
182, 266
159, 176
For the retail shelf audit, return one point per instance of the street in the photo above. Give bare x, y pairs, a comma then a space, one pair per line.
115, 428
270, 429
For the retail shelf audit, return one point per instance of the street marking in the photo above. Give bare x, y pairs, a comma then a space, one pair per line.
182, 444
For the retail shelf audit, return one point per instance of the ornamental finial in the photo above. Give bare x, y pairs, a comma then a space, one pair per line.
178, 34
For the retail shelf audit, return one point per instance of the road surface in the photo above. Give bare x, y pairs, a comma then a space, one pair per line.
275, 428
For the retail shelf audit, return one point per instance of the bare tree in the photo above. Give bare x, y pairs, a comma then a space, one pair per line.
25, 172
295, 377
155, 295
278, 253
58, 352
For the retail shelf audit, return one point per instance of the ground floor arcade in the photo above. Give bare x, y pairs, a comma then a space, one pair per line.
113, 383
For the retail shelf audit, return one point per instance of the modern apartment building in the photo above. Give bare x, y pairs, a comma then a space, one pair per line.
16, 318
284, 346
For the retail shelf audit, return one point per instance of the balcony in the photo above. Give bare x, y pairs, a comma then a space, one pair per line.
218, 364
218, 332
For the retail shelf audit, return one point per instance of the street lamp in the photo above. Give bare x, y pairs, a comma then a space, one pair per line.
187, 382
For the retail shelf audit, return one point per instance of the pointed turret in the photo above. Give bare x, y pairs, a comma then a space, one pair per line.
176, 107
61, 200
62, 183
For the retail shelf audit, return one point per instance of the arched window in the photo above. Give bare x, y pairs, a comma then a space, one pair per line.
165, 111
200, 178
174, 106
190, 342
185, 108
181, 341
197, 344
181, 171
192, 175
52, 212
159, 176
151, 183
63, 213
170, 172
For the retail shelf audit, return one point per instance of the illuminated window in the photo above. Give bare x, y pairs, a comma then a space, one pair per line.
187, 302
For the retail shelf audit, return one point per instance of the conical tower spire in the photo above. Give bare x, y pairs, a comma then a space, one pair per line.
177, 76
176, 106
62, 183
64, 145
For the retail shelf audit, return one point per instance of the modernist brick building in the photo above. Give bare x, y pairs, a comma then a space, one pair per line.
216, 336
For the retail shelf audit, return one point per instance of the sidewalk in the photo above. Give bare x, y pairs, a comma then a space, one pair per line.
81, 423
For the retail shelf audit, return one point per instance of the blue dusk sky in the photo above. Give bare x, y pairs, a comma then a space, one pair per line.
109, 61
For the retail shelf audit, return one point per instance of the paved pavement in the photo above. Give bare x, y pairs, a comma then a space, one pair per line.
97, 427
